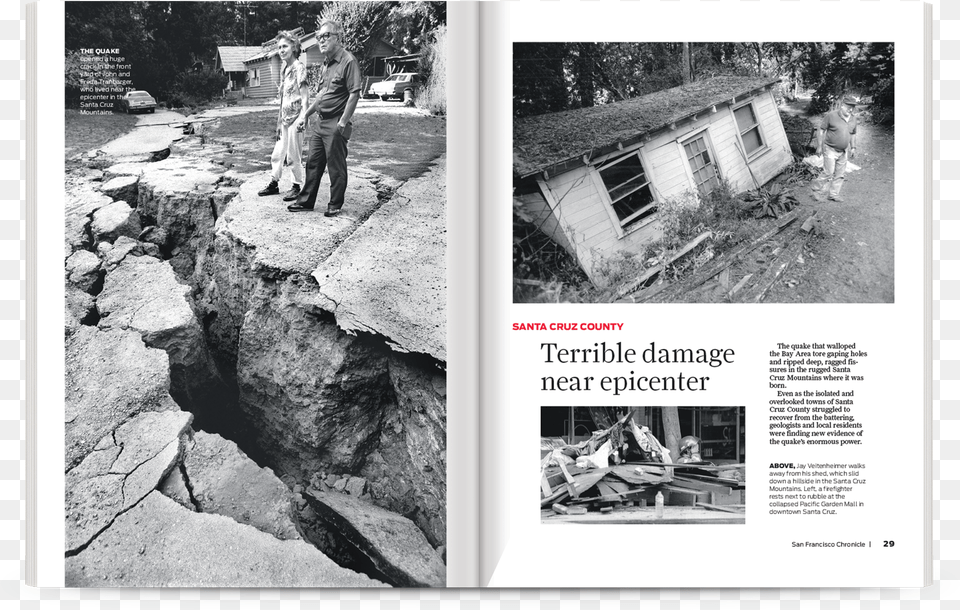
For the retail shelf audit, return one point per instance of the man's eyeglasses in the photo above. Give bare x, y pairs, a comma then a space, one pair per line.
326, 36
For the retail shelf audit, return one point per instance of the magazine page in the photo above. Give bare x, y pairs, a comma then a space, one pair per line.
713, 257
250, 387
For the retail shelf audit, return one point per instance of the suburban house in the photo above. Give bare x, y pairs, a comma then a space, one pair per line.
593, 178
229, 61
263, 65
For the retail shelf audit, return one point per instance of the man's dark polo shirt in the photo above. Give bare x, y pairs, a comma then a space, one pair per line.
339, 78
838, 131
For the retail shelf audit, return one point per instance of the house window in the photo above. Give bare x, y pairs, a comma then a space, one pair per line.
749, 128
255, 78
629, 189
705, 176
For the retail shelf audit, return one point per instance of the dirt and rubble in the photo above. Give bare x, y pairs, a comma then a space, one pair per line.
214, 387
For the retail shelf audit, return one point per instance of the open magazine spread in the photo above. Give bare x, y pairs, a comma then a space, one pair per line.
678, 247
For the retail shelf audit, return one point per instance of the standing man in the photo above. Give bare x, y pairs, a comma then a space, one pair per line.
337, 95
838, 139
294, 94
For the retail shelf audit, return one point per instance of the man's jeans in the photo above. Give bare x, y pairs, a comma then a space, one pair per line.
834, 170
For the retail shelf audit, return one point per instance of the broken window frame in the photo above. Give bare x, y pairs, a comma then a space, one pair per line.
755, 126
708, 148
640, 217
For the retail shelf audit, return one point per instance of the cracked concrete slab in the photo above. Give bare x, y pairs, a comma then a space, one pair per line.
122, 469
143, 294
159, 543
224, 481
390, 276
152, 134
110, 377
289, 242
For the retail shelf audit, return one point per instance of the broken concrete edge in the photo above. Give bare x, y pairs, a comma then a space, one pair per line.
355, 328
349, 535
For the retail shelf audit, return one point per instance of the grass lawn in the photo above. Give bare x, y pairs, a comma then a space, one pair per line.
90, 131
399, 145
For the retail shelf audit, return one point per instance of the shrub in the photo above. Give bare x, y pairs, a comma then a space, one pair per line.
679, 218
195, 87
613, 271
432, 97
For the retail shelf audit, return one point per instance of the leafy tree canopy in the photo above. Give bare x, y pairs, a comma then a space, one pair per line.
558, 76
162, 40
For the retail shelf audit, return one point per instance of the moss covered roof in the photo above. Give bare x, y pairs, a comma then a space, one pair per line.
547, 140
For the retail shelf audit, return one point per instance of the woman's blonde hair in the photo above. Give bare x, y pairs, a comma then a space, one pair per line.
294, 41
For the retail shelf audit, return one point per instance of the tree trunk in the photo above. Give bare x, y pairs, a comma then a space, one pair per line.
671, 430
685, 68
585, 75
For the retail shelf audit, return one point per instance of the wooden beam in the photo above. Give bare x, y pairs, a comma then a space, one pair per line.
712, 269
778, 269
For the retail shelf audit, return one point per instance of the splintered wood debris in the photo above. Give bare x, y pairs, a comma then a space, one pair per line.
746, 285
616, 475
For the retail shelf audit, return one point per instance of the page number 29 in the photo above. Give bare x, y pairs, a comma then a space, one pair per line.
889, 543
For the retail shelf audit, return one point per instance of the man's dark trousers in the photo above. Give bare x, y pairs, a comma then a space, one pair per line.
328, 149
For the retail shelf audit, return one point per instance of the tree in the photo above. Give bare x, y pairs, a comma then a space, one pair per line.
539, 83
671, 430
364, 24
411, 26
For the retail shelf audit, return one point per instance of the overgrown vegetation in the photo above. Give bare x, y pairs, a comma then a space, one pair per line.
196, 87
432, 97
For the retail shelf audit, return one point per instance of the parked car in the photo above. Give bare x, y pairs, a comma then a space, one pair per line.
395, 85
137, 101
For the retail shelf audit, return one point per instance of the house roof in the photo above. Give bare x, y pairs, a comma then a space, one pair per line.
232, 57
558, 141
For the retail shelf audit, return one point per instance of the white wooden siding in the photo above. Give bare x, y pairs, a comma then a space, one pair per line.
269, 77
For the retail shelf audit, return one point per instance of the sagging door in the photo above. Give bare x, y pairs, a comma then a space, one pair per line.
703, 166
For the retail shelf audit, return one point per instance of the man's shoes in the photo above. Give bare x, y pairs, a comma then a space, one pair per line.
331, 213
271, 189
296, 207
838, 199
292, 194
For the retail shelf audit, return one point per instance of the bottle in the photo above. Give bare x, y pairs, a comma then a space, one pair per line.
659, 506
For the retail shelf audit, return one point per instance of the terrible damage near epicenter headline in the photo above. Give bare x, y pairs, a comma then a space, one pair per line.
617, 353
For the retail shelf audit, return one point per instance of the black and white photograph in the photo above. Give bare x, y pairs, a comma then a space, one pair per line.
643, 465
255, 316
695, 172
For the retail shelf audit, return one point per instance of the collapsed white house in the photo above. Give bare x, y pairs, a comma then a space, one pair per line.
593, 178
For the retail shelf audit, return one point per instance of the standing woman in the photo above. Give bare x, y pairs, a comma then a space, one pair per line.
294, 95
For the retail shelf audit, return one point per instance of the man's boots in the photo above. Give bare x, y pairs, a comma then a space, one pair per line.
271, 189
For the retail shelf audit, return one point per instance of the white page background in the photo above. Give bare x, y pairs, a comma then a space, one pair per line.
889, 404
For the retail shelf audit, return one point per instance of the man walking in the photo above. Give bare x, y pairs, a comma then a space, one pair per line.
337, 96
837, 142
